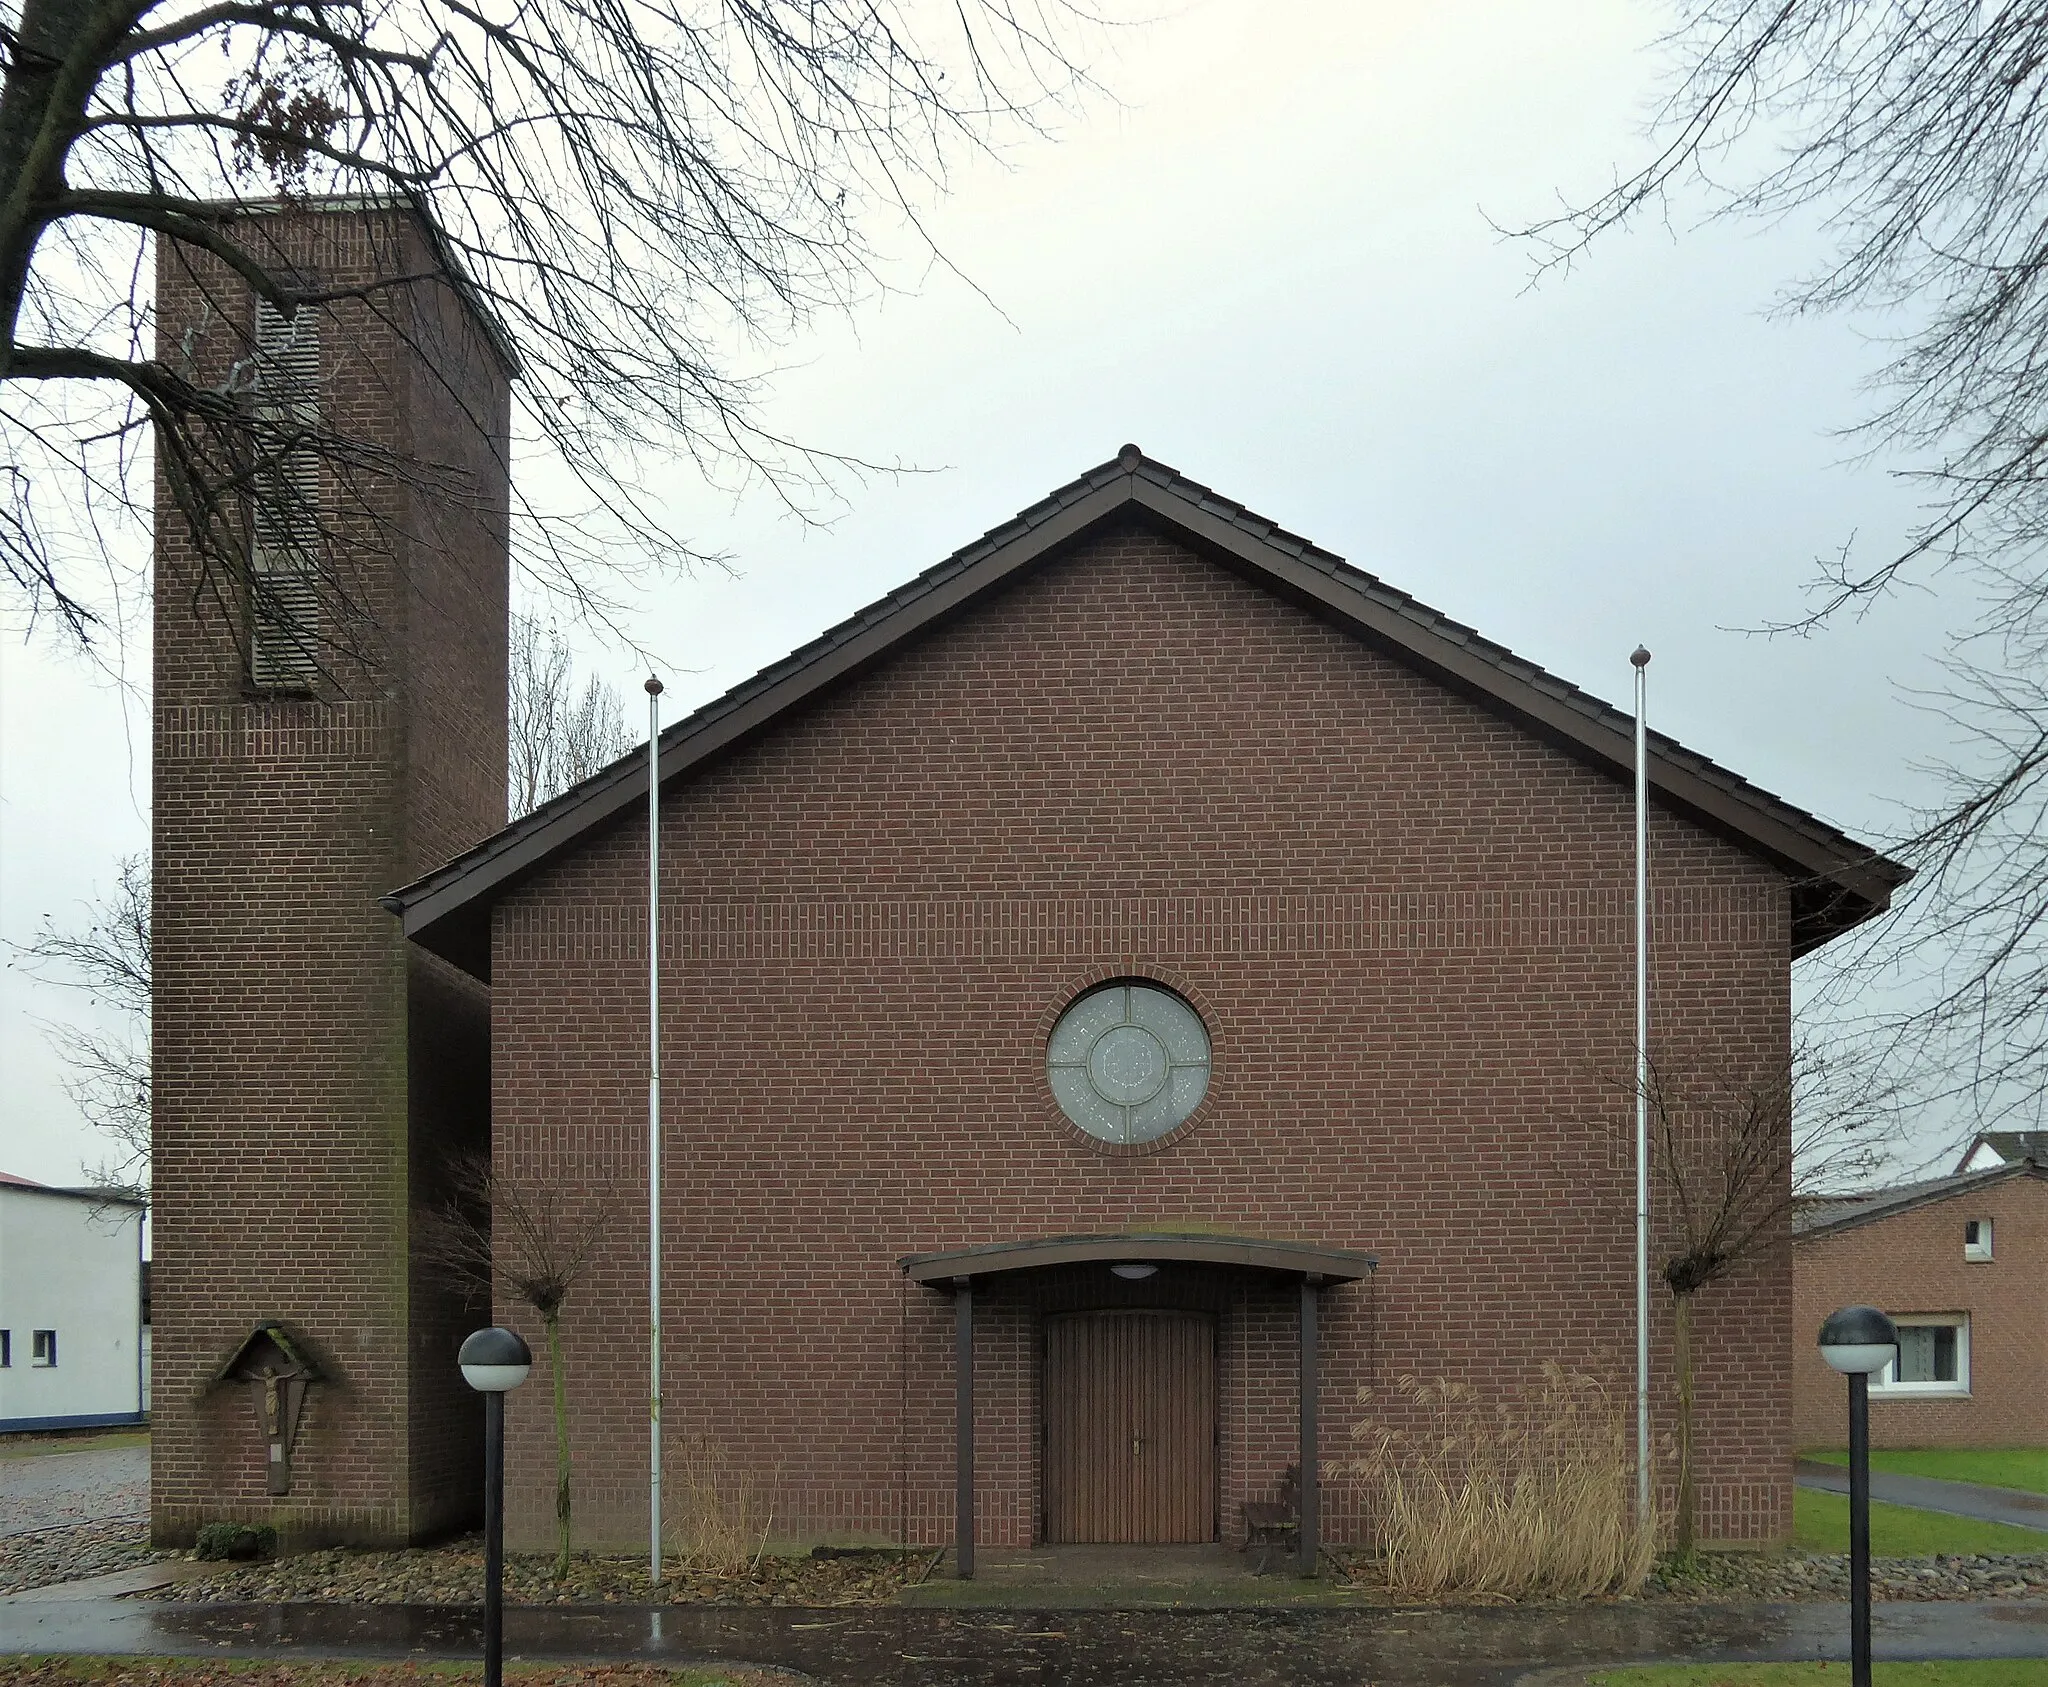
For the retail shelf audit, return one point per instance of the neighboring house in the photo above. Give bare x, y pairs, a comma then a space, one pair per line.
1091, 976
72, 1353
1998, 1148
1961, 1264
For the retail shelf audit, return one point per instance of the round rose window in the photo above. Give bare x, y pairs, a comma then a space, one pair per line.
1128, 1062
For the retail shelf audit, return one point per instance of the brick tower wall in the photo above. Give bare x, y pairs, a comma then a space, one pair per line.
312, 1071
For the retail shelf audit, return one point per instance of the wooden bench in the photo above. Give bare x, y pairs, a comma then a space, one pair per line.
1276, 1522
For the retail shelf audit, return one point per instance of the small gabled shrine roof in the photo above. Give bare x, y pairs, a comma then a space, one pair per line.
260, 1344
1837, 881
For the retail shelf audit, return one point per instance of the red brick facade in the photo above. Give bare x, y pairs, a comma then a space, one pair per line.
299, 1109
1406, 923
1913, 1261
1402, 909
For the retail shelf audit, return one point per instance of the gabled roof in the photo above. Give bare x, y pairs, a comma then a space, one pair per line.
1838, 882
99, 1197
1823, 1218
2008, 1146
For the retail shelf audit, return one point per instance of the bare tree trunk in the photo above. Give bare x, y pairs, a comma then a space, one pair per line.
1681, 1336
552, 1323
41, 111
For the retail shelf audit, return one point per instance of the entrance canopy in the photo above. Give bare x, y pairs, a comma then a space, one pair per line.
1311, 1267
1295, 1259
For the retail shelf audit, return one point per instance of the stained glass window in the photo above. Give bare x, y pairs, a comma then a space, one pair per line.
1128, 1062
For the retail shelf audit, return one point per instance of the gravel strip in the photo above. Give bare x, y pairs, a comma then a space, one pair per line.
454, 1575
1715, 1577
71, 1552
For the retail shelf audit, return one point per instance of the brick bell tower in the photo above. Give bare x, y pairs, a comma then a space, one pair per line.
329, 723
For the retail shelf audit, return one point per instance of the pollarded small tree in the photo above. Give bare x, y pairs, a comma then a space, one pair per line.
1731, 1153
534, 1239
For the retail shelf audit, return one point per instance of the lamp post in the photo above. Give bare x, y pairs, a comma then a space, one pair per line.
1859, 1341
494, 1362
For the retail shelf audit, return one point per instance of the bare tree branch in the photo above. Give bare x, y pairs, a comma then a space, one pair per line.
557, 736
107, 1072
644, 194
1917, 131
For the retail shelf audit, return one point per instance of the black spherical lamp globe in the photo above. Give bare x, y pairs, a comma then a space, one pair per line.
494, 1361
1859, 1339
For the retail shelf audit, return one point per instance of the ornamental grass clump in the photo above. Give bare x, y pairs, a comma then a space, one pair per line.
1533, 1498
720, 1516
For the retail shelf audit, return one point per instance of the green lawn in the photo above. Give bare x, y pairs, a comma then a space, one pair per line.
1995, 1467
1979, 1672
1820, 1523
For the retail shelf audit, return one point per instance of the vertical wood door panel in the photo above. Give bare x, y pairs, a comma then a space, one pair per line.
1130, 1427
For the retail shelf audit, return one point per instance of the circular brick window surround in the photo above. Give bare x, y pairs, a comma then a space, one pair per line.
1128, 1061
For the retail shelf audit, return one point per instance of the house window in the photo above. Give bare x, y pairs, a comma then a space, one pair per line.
44, 1351
1128, 1062
6, 1349
284, 552
1934, 1356
1977, 1239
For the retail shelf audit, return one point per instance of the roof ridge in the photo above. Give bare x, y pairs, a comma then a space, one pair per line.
1370, 597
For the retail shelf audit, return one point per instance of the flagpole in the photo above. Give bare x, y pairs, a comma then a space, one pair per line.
653, 1129
1640, 660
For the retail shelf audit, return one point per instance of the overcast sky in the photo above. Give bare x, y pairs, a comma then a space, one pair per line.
1270, 265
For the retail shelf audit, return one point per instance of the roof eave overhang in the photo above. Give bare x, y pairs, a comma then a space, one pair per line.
1836, 883
1842, 889
432, 909
97, 1197
1296, 1259
1970, 1183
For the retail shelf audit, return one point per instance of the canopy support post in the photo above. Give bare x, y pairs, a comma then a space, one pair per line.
1311, 1475
963, 1427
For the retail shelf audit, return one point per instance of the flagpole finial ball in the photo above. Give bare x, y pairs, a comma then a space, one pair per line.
1639, 657
653, 686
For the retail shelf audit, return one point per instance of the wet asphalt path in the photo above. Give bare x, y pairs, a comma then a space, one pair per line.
86, 1484
928, 1648
1960, 1499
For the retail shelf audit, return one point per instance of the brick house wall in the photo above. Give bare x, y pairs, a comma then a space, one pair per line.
1912, 1261
1407, 924
311, 1066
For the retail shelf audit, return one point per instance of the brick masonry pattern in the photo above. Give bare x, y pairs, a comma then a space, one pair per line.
1406, 923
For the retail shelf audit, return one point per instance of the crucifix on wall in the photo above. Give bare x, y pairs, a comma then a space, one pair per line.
277, 1370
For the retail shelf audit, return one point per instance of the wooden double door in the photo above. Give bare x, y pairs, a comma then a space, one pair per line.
1129, 1399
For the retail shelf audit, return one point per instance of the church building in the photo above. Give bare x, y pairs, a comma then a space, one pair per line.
1130, 989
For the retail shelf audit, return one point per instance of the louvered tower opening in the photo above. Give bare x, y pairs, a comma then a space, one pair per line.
284, 596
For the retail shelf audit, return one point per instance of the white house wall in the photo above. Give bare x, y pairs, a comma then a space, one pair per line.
70, 1265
